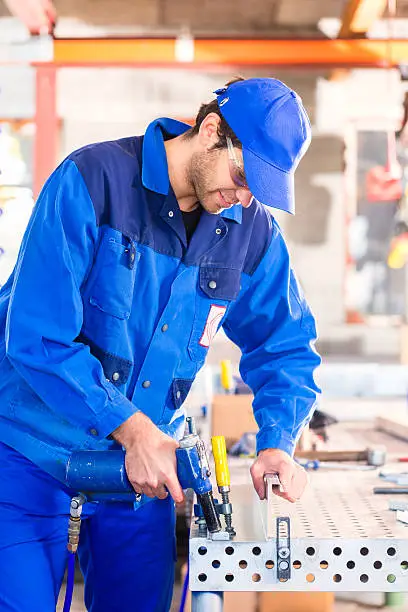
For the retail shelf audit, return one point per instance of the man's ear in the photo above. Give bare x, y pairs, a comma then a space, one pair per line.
208, 131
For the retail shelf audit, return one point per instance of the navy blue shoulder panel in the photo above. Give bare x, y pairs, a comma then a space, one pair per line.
260, 220
245, 243
110, 171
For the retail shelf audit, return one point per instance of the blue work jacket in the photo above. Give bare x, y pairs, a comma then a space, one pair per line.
109, 311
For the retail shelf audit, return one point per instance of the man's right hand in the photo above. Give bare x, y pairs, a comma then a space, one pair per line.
150, 459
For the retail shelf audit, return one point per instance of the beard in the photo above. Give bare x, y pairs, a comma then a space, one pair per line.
200, 174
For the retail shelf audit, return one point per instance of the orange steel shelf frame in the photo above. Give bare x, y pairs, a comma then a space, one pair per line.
46, 126
228, 52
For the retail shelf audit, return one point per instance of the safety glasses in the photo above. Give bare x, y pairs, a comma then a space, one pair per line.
235, 166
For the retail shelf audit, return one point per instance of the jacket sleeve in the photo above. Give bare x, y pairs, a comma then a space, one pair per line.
275, 330
45, 312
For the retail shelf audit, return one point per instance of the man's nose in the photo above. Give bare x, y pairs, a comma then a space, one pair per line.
244, 196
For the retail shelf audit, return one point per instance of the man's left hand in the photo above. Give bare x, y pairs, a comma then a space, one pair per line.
292, 476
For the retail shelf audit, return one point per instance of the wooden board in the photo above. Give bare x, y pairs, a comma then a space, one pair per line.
397, 428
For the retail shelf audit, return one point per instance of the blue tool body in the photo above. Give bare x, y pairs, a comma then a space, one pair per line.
101, 475
310, 464
190, 471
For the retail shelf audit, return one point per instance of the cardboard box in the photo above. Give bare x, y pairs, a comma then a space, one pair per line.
232, 416
296, 602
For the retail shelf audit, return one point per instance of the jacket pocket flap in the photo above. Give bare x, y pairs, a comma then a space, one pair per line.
180, 389
220, 283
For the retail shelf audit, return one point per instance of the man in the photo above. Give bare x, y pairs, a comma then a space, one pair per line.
137, 251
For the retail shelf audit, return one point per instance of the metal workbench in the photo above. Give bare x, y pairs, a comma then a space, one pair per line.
343, 538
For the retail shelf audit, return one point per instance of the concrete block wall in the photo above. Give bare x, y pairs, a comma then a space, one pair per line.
200, 15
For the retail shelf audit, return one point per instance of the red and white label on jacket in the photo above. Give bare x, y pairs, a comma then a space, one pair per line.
213, 320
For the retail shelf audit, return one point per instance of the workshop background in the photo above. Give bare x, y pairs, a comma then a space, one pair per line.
114, 65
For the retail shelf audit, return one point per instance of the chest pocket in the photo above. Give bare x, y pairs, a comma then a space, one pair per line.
112, 280
217, 288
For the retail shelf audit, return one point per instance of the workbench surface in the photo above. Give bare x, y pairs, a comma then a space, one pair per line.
343, 536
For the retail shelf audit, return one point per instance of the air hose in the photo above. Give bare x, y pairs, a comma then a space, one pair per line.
184, 591
74, 527
70, 582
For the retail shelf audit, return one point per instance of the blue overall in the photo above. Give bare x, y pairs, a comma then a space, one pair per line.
109, 311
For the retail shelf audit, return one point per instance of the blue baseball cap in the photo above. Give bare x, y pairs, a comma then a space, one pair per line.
270, 121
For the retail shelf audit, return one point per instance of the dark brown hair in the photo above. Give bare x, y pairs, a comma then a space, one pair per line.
223, 128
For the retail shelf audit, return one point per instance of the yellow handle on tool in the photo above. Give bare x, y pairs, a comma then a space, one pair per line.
220, 458
226, 375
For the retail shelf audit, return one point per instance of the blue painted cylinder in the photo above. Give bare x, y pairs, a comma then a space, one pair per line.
98, 471
104, 473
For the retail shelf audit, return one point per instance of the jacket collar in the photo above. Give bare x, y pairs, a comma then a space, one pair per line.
155, 174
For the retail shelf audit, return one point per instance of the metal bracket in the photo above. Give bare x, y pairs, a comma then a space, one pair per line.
283, 548
396, 505
402, 516
399, 479
272, 485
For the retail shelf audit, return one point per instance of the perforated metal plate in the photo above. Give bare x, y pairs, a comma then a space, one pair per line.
343, 538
